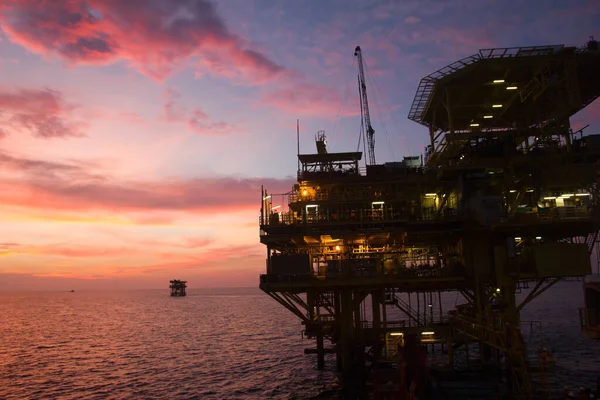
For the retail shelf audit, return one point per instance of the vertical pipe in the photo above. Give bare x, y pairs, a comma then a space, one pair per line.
320, 353
376, 306
409, 308
418, 309
262, 204
425, 308
440, 304
298, 140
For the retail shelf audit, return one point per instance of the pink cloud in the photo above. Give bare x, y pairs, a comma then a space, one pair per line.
412, 20
154, 36
173, 110
42, 113
309, 99
197, 120
200, 123
70, 187
132, 118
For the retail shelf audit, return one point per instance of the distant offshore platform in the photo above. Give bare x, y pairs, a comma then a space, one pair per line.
178, 288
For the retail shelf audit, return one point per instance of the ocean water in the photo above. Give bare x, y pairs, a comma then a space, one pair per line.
212, 344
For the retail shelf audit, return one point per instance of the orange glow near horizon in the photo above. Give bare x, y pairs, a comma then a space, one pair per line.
134, 142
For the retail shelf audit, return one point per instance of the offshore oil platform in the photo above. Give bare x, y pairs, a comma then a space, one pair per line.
505, 197
178, 288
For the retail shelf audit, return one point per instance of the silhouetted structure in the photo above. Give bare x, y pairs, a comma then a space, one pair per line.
508, 198
178, 288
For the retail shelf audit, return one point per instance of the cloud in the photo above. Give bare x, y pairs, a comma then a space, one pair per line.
71, 187
412, 20
43, 113
7, 249
154, 36
200, 123
73, 251
173, 110
197, 120
307, 99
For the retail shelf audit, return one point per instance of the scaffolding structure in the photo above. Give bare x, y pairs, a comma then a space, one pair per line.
507, 198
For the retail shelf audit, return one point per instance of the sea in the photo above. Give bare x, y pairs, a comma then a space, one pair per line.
234, 343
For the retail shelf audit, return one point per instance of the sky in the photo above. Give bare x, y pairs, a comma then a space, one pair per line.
135, 135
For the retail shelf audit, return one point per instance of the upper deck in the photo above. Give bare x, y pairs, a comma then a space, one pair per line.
497, 89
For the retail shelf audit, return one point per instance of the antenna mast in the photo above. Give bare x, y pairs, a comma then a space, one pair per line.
362, 88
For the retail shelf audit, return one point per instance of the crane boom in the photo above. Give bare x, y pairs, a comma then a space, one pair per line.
362, 88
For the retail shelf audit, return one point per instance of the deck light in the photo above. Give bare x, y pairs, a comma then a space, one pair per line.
582, 194
517, 238
427, 333
377, 203
474, 125
275, 208
512, 190
550, 198
396, 334
496, 105
430, 194
488, 116
304, 192
337, 248
511, 88
498, 80
538, 238
267, 197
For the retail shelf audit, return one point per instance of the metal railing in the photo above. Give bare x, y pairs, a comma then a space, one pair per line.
390, 215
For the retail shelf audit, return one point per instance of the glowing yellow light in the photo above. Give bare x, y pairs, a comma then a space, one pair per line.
427, 333
474, 125
488, 116
396, 334
430, 194
377, 203
550, 198
512, 190
337, 248
498, 290
497, 105
517, 238
499, 81
304, 192
582, 194
511, 88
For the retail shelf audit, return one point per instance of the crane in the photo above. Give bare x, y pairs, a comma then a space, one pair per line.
362, 88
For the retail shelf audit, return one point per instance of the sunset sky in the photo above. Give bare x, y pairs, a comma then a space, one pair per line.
135, 135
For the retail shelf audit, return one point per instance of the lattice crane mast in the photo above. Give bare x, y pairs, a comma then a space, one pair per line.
364, 102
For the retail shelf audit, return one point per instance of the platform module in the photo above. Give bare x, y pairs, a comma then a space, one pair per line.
505, 196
